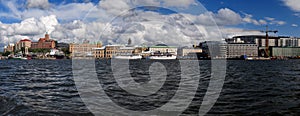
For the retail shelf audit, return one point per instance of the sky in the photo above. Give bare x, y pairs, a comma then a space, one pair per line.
173, 22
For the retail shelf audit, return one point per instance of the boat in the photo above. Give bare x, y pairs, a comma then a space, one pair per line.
18, 58
257, 58
128, 57
57, 54
161, 56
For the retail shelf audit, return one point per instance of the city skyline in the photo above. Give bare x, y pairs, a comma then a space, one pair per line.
30, 19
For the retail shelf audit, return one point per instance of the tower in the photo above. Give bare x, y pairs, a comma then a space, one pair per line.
47, 37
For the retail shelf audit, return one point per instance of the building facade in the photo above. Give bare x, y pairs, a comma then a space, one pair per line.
23, 44
237, 50
99, 53
214, 49
285, 51
111, 50
289, 42
44, 43
9, 48
187, 51
83, 50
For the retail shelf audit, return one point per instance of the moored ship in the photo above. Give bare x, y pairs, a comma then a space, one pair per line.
161, 56
129, 57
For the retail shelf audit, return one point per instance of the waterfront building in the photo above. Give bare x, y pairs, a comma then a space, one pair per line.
289, 42
23, 44
126, 50
44, 43
139, 50
214, 49
83, 50
188, 51
285, 51
9, 48
236, 50
111, 50
260, 41
99, 53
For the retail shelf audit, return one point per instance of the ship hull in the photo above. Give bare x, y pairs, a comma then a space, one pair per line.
128, 57
162, 57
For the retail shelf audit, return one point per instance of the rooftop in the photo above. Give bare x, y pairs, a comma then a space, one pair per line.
23, 40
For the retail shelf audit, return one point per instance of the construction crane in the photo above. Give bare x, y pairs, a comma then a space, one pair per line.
267, 31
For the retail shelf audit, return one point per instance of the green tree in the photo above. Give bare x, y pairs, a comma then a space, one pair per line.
129, 42
66, 51
6, 53
39, 50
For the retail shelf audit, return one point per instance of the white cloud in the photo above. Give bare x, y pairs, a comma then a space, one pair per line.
146, 2
227, 17
115, 7
294, 25
73, 11
280, 22
30, 28
179, 3
75, 22
40, 4
249, 19
223, 17
297, 14
230, 32
263, 22
293, 4
269, 18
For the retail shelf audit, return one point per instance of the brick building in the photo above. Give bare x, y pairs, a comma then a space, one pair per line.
44, 43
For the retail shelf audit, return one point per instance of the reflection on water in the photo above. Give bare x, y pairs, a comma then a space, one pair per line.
46, 87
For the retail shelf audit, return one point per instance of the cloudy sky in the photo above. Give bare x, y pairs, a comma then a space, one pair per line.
174, 22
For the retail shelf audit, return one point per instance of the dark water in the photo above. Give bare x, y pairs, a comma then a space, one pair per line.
47, 87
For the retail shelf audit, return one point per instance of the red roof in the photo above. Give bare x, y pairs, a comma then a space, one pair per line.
23, 40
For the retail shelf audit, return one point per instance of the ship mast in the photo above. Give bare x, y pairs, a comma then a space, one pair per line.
267, 31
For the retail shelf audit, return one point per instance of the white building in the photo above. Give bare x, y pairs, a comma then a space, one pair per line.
187, 51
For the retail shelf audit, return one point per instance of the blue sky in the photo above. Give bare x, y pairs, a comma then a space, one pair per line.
260, 10
234, 16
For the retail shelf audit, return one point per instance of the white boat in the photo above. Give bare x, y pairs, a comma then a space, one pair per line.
172, 57
128, 57
18, 58
161, 56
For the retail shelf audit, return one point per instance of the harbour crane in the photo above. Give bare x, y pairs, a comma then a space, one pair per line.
267, 31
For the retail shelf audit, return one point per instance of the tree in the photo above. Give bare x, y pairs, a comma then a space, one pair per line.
66, 51
6, 53
129, 41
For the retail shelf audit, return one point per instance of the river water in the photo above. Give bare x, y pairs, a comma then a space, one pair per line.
47, 87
